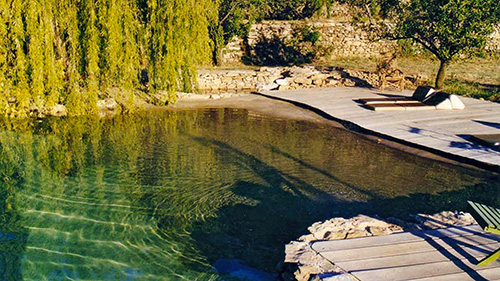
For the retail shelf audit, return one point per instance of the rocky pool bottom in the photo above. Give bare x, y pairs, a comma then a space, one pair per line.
199, 194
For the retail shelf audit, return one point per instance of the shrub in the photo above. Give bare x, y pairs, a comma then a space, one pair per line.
300, 48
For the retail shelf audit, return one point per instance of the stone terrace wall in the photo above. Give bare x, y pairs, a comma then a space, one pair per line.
270, 78
493, 44
285, 78
343, 38
346, 39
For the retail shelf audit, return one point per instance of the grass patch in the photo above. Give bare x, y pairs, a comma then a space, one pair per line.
473, 89
353, 63
475, 77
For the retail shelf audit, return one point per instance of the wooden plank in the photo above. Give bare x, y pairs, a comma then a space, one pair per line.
456, 252
435, 270
481, 210
397, 238
492, 213
408, 248
486, 274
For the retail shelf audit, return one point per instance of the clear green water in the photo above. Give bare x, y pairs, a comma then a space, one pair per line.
166, 195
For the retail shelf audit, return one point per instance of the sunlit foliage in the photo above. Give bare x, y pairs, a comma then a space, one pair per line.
74, 51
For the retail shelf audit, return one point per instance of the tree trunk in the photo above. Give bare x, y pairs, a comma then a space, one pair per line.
441, 75
368, 10
218, 44
217, 55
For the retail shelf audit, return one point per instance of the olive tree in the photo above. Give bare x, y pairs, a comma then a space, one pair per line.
449, 29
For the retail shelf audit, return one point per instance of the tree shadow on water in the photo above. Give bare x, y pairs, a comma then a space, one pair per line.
285, 206
256, 233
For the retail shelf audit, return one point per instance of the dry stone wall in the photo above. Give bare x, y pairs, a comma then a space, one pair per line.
343, 39
232, 54
287, 78
270, 78
493, 44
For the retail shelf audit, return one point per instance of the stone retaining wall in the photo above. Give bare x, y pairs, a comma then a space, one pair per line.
343, 39
282, 78
493, 44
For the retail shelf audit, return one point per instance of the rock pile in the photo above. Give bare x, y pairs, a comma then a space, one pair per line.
340, 228
217, 80
286, 78
303, 263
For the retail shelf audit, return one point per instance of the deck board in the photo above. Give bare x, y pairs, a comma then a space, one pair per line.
408, 248
491, 274
438, 130
443, 254
327, 246
435, 270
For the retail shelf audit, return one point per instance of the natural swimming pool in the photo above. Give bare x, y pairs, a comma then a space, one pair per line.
184, 195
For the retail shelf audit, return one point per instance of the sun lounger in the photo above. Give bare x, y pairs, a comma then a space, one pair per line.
399, 106
437, 100
420, 94
489, 219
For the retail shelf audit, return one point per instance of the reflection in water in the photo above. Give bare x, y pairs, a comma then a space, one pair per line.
167, 195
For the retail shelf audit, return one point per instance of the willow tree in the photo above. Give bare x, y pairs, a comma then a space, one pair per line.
4, 47
178, 41
75, 51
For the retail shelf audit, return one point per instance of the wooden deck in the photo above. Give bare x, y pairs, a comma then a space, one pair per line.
442, 131
443, 254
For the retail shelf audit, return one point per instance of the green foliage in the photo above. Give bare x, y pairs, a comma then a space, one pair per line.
178, 40
299, 48
473, 89
449, 29
408, 48
234, 19
236, 16
73, 51
308, 34
369, 10
293, 9
328, 4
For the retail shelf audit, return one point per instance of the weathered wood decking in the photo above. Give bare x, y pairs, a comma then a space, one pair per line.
442, 131
443, 254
